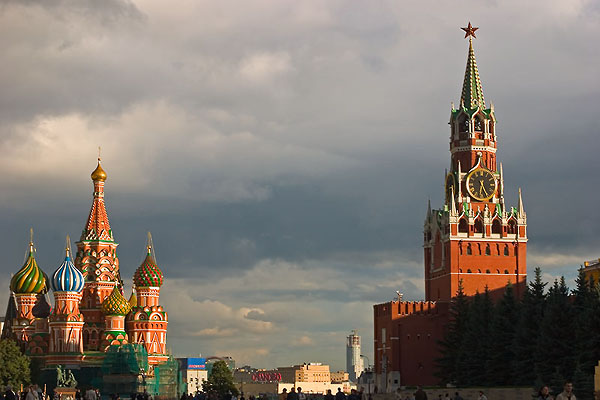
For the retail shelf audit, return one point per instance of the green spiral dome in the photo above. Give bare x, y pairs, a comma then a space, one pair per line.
116, 304
30, 278
148, 274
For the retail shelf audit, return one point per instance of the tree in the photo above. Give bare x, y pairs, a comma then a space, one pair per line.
220, 381
447, 364
587, 334
15, 365
498, 368
475, 345
528, 331
556, 356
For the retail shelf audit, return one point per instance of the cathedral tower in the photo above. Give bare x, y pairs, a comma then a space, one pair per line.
474, 237
147, 322
28, 284
97, 260
66, 321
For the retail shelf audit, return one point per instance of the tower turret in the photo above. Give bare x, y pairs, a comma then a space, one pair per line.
147, 322
27, 285
473, 238
66, 321
97, 260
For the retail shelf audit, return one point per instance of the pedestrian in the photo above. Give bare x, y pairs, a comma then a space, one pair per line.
90, 394
341, 395
567, 393
481, 396
301, 396
457, 396
420, 394
9, 394
447, 397
292, 395
282, 395
544, 393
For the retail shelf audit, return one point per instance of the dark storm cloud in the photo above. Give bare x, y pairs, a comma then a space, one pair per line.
282, 153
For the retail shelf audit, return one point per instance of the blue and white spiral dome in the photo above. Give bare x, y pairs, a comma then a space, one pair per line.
67, 278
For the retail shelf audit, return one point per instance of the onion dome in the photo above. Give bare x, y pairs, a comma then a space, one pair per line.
148, 274
116, 304
42, 308
99, 174
30, 278
67, 278
133, 299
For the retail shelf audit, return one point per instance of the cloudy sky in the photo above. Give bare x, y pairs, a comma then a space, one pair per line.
282, 152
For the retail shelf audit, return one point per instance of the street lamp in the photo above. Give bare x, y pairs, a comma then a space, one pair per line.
368, 376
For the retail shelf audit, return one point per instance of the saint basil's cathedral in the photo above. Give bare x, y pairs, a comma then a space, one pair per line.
91, 316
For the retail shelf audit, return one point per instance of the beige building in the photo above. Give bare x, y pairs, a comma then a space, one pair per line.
340, 377
311, 377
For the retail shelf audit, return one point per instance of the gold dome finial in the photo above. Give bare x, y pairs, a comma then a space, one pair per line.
99, 174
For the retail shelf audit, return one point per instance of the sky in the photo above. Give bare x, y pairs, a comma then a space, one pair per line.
282, 153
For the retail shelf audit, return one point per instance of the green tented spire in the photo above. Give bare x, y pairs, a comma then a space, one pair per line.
472, 93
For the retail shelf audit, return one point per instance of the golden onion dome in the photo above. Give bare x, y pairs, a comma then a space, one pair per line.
99, 174
116, 304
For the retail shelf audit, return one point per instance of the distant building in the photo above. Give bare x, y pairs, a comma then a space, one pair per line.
339, 377
354, 363
193, 372
311, 377
592, 270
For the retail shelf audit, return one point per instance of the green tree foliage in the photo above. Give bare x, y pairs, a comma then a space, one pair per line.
541, 339
450, 348
555, 346
503, 329
528, 331
220, 381
14, 364
475, 345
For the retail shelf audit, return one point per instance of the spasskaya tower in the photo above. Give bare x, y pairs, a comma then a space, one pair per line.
474, 238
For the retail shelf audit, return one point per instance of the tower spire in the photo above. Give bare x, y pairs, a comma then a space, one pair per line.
521, 208
472, 92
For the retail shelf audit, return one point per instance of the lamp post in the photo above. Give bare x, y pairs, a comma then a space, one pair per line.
369, 376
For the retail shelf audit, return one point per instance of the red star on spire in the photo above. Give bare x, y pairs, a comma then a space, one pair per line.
469, 31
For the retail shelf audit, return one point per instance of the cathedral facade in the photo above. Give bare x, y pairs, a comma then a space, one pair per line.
90, 314
474, 241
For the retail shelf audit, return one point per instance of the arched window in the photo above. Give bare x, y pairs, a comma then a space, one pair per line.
496, 226
512, 227
505, 250
487, 271
468, 271
487, 250
469, 249
463, 226
478, 226
497, 271
478, 124
506, 271
463, 124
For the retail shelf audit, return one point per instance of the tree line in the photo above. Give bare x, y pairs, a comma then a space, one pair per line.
545, 338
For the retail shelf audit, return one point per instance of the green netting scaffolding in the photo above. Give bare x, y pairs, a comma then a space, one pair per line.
126, 370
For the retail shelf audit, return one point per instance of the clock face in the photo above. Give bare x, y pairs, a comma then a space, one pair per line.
481, 184
450, 187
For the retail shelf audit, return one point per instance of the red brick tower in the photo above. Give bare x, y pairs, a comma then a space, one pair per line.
97, 260
474, 237
147, 322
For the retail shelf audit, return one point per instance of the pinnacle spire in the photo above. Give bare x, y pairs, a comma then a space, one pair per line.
521, 208
472, 92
